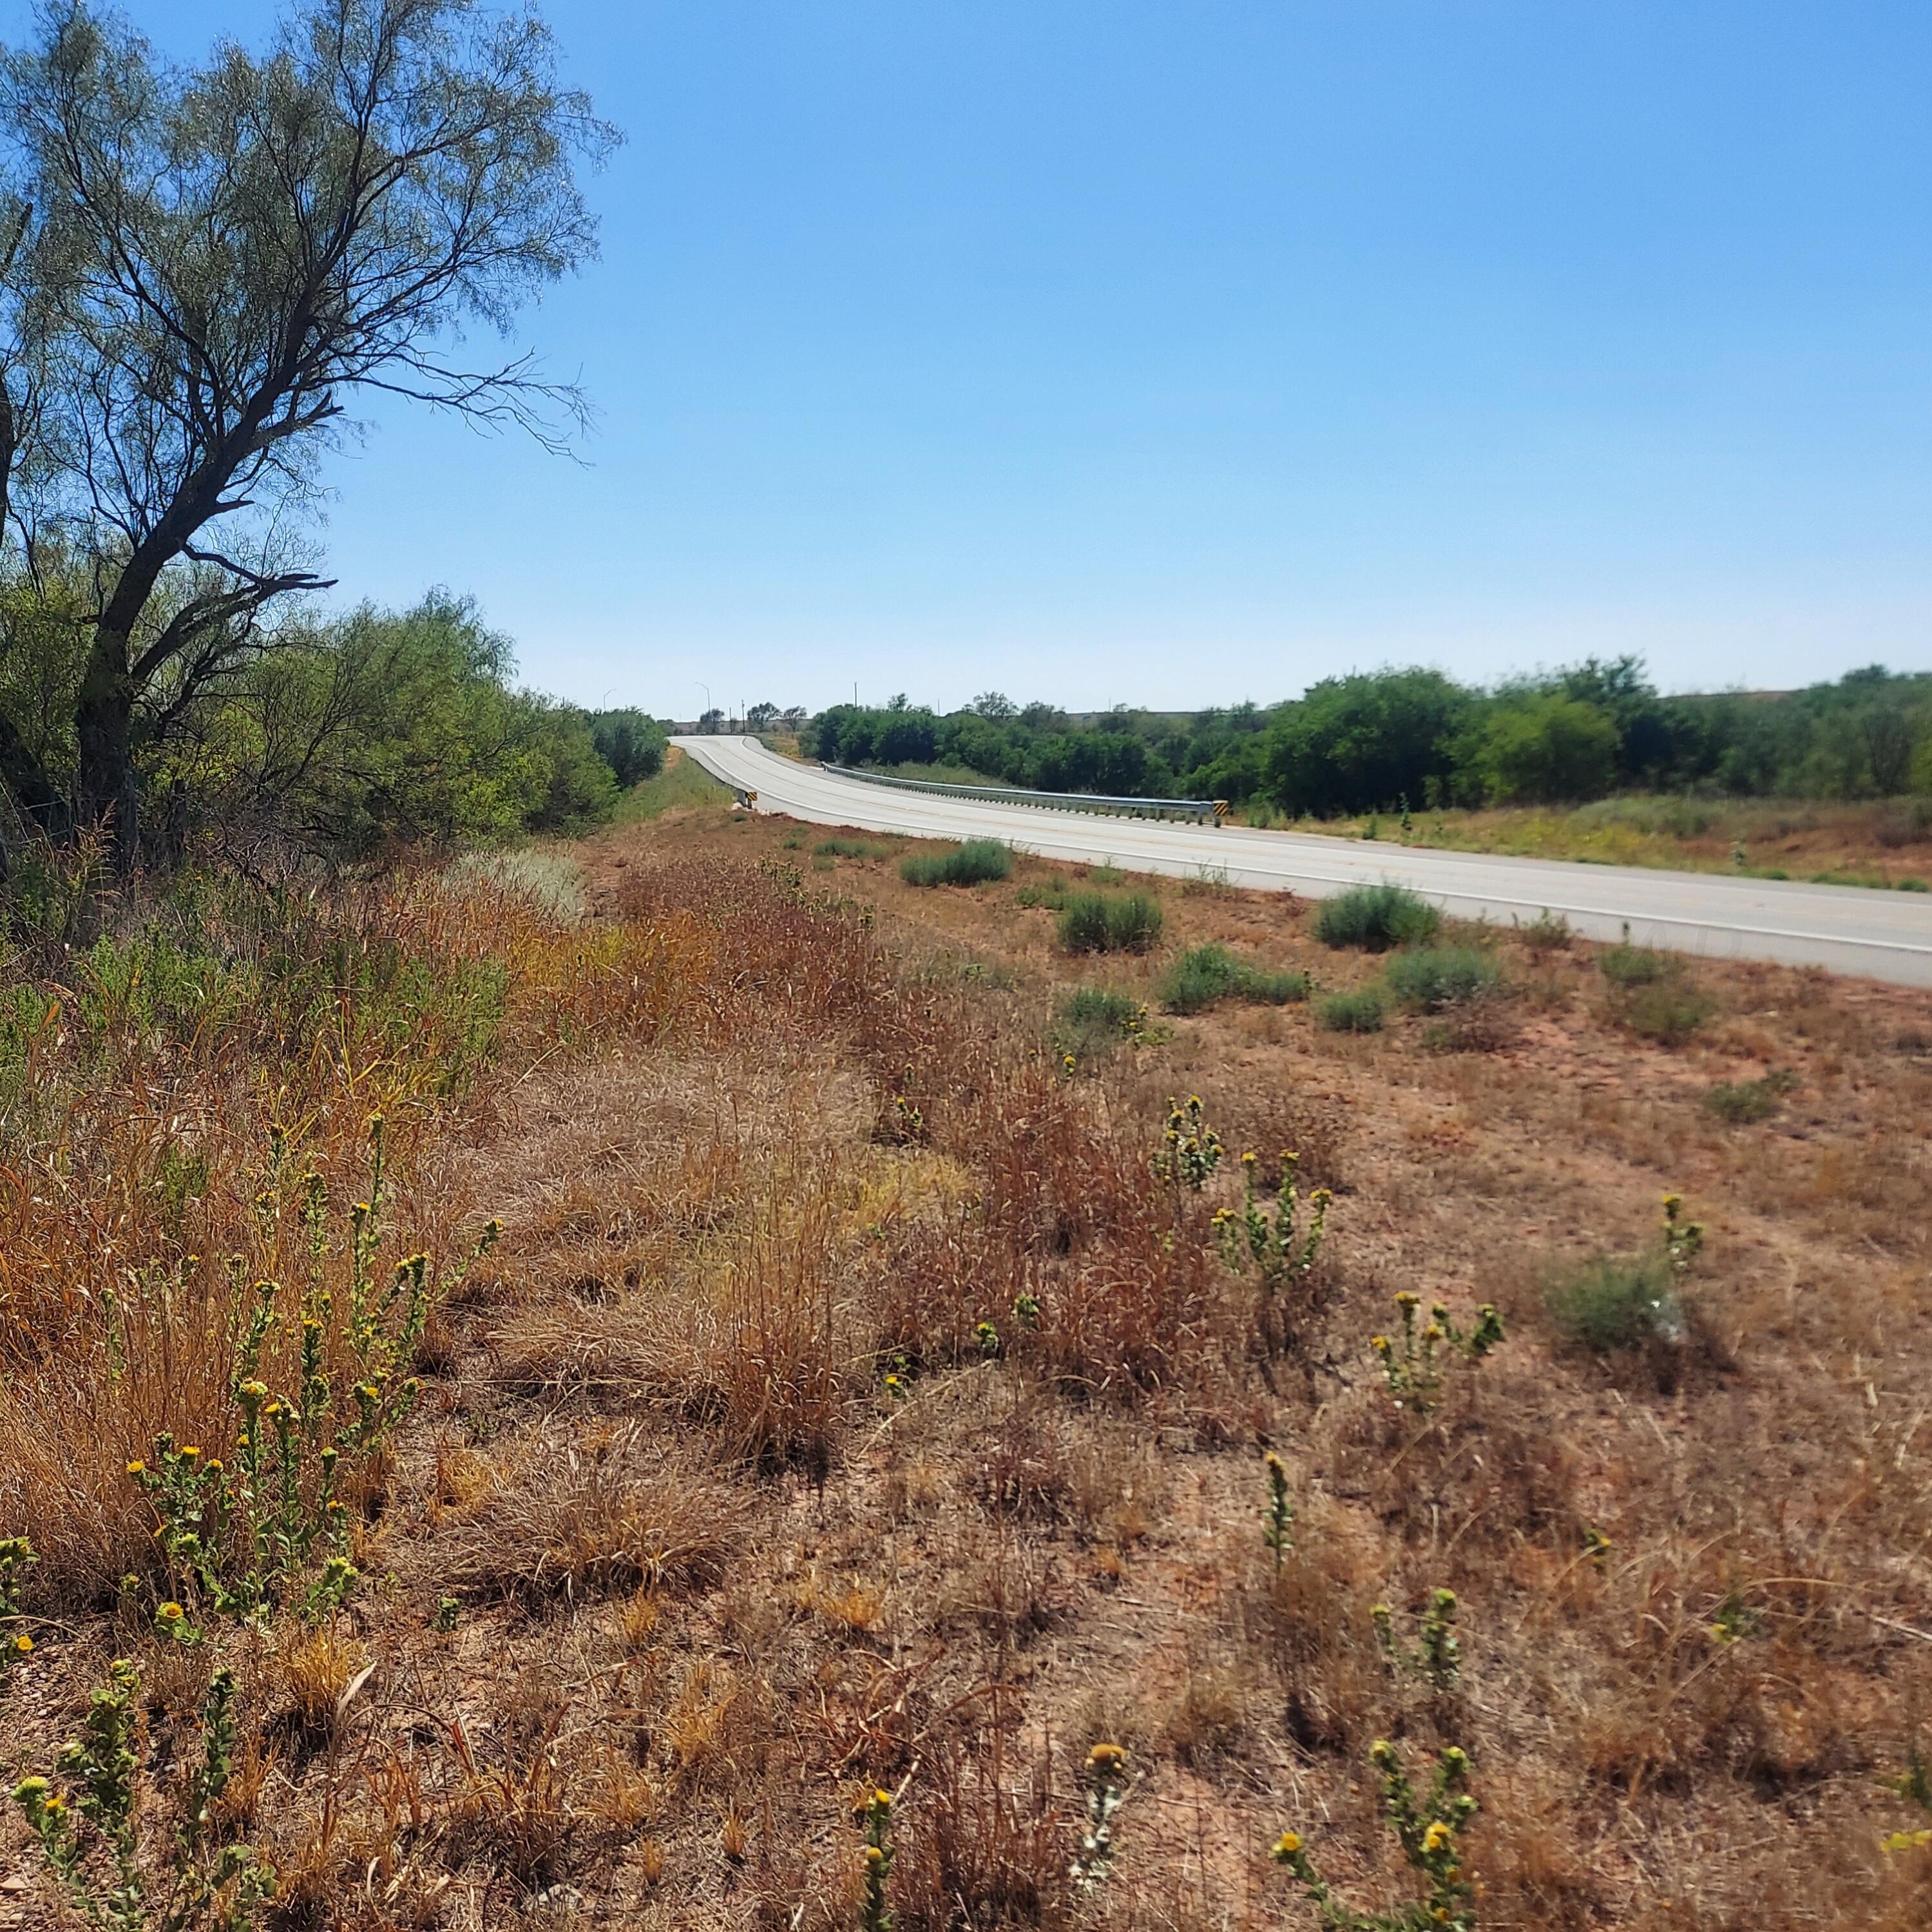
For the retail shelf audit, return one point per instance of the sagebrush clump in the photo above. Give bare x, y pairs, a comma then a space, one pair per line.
976, 862
1109, 922
1360, 1011
1201, 978
1432, 979
1376, 918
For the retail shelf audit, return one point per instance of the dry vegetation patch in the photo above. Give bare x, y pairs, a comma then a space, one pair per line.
867, 1394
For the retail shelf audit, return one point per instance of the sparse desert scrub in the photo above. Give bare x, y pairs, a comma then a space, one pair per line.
771, 1460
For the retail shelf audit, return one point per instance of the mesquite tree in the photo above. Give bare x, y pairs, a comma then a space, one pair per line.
200, 270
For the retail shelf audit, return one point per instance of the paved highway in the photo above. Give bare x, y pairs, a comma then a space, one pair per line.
1886, 935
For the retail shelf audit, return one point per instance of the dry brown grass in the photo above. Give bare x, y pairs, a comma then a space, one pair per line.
848, 1406
583, 1518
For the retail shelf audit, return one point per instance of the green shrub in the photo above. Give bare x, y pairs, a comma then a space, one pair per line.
1433, 978
971, 864
632, 744
1611, 1304
1740, 1101
849, 848
1359, 1012
1651, 995
1083, 922
1093, 1020
1550, 746
1052, 896
1095, 922
1669, 1013
1273, 989
1375, 917
1627, 965
1198, 979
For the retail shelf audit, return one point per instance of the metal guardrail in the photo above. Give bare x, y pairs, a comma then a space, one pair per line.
1201, 811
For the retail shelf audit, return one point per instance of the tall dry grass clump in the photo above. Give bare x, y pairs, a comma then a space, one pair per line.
186, 1106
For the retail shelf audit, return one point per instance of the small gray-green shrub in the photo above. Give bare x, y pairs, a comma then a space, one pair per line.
1740, 1102
1359, 1012
1093, 1020
1626, 966
1627, 1302
1431, 979
1652, 995
1547, 932
1200, 978
971, 864
1097, 922
1375, 917
1610, 1304
1669, 1013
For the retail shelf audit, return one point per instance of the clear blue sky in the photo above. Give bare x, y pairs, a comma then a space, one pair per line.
1175, 354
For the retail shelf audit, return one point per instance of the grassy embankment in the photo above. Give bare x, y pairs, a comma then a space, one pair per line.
1882, 844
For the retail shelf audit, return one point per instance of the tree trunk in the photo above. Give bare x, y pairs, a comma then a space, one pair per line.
105, 797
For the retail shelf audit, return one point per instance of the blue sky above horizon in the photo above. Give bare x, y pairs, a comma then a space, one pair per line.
1173, 355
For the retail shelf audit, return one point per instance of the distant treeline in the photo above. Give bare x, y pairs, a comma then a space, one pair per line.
1375, 740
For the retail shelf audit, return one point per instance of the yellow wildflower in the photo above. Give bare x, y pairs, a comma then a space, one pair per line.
1287, 1845
1436, 1838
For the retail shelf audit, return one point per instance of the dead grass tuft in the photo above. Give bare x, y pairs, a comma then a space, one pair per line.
583, 1523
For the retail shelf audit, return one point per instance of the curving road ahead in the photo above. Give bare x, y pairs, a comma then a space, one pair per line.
1886, 935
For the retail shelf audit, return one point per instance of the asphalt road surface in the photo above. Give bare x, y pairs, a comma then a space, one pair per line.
1885, 935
